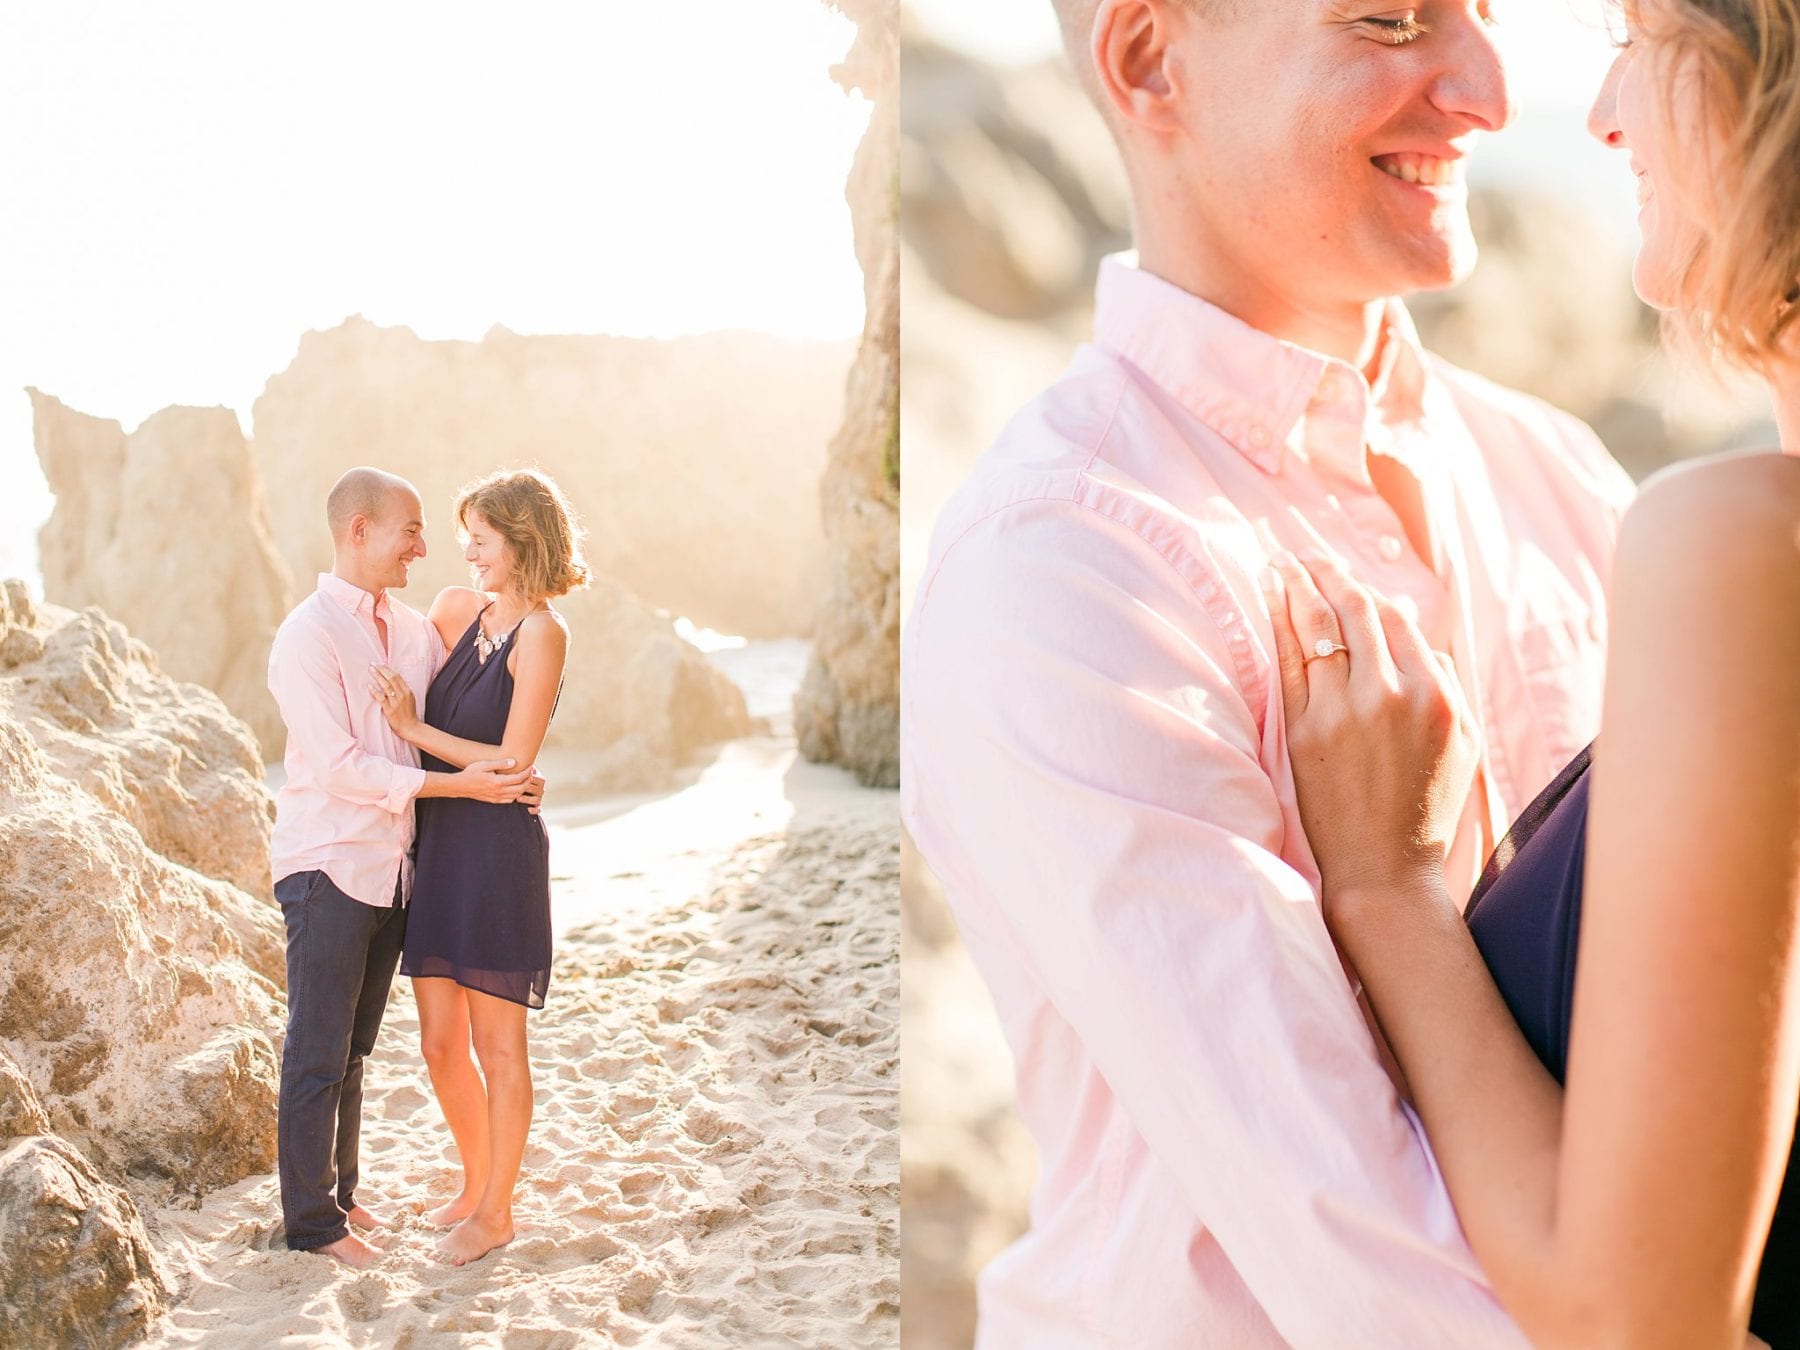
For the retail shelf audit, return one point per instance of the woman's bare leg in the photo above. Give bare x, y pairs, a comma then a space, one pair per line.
444, 1035
497, 1027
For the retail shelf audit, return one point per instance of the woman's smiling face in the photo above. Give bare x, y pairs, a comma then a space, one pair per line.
486, 552
1652, 107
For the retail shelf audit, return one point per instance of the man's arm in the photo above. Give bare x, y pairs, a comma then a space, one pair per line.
309, 691
1089, 786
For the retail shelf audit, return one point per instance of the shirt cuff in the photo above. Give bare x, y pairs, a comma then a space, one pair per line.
408, 783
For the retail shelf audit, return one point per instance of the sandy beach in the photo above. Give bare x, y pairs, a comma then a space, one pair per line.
714, 1158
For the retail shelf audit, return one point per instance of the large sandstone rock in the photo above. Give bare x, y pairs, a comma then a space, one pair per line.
21, 1112
165, 529
76, 1268
693, 463
139, 953
638, 692
848, 709
1013, 189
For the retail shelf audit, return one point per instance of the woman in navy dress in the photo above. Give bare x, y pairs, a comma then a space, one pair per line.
478, 934
1606, 1054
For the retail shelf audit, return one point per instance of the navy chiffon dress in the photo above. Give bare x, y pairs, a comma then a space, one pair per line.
1525, 917
480, 912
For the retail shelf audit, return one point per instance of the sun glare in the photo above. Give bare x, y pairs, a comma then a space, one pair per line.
190, 188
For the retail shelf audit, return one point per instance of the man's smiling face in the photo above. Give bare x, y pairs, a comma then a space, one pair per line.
395, 537
1326, 140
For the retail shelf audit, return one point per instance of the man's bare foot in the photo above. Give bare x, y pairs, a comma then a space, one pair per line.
448, 1216
361, 1218
473, 1239
352, 1251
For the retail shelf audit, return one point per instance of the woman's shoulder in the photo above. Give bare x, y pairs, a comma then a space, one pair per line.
455, 601
1742, 500
1726, 527
544, 628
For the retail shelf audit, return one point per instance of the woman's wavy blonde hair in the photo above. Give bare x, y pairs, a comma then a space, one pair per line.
529, 511
1739, 288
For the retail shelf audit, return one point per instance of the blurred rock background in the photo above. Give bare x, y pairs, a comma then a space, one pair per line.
1011, 194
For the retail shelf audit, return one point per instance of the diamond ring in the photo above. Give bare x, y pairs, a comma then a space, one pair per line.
1326, 647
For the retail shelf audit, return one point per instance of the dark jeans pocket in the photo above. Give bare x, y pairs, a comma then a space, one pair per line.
296, 886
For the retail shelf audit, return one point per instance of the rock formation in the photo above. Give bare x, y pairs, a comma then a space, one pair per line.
693, 463
634, 689
165, 529
76, 1267
1013, 189
637, 692
848, 710
140, 955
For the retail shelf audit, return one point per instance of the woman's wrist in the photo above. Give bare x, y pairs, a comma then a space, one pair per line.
1376, 897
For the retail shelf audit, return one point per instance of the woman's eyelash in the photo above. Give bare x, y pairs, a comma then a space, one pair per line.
1398, 32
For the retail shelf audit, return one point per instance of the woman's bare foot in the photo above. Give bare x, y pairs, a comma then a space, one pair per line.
473, 1239
361, 1218
352, 1251
448, 1216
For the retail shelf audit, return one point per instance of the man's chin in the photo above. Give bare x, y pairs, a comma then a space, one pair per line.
1438, 266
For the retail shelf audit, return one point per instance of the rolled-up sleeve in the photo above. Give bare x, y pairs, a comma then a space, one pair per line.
309, 690
1083, 774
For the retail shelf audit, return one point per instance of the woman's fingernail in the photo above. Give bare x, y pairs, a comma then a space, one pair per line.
1285, 559
1271, 582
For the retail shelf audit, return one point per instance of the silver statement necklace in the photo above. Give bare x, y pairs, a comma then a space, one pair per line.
486, 646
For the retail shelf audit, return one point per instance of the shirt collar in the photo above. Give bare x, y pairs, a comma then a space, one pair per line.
1255, 390
353, 598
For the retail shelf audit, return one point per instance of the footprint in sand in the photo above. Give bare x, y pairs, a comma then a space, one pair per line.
638, 1187
639, 1295
401, 1102
365, 1298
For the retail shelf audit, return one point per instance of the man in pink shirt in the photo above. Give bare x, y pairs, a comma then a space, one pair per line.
1093, 746
342, 842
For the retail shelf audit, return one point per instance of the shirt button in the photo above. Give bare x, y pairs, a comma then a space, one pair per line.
1390, 548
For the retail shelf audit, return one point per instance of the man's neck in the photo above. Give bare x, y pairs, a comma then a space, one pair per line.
344, 571
1349, 331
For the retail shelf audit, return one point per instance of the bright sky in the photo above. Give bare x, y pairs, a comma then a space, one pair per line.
190, 187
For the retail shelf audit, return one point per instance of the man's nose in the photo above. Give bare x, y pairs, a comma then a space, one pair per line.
1474, 83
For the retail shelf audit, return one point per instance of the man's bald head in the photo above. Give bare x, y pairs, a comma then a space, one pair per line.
371, 493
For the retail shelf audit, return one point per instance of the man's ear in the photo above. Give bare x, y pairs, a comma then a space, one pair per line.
1130, 50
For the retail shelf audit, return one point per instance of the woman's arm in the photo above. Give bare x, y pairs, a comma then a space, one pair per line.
1632, 1210
539, 649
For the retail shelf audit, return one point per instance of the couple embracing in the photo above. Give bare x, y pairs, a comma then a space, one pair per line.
387, 708
1363, 992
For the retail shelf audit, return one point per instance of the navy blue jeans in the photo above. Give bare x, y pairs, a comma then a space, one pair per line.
341, 956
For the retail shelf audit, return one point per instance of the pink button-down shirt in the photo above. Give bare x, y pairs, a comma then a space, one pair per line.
1094, 764
347, 806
